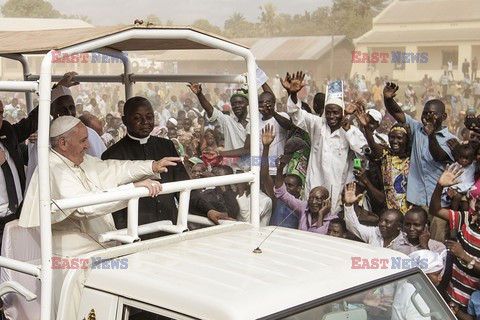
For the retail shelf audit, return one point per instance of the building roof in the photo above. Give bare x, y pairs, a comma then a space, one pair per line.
417, 36
42, 41
30, 24
213, 274
265, 49
429, 11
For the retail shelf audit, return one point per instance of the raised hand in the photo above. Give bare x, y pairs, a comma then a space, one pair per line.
362, 116
297, 83
286, 82
293, 83
450, 175
390, 90
350, 197
353, 106
195, 87
67, 80
268, 135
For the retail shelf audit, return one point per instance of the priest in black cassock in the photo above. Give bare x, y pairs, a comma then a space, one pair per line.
139, 145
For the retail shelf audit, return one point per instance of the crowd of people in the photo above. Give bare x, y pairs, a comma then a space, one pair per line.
390, 170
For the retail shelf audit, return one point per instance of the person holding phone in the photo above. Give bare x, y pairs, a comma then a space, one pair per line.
315, 214
416, 235
430, 152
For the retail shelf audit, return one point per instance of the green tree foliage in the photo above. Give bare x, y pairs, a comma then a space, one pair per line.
205, 25
236, 26
354, 17
29, 9
271, 24
36, 9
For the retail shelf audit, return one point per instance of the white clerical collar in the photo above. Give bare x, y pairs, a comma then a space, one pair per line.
141, 140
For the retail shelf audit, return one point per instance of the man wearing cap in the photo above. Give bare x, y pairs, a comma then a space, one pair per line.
333, 144
12, 175
62, 104
375, 119
72, 174
236, 131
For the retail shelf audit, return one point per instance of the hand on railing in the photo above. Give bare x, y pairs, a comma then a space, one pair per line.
154, 187
214, 215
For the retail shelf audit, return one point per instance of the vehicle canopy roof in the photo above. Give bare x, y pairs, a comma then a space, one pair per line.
42, 41
214, 274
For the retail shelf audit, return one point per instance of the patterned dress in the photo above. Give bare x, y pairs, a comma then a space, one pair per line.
395, 175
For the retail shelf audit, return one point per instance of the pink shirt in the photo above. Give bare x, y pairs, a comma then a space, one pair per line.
301, 209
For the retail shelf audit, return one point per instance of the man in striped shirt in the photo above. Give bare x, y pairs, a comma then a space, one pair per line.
466, 251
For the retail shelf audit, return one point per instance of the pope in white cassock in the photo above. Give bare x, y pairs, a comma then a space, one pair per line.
72, 174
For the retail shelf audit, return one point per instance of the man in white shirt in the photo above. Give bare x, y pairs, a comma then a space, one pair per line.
334, 141
243, 200
235, 130
386, 234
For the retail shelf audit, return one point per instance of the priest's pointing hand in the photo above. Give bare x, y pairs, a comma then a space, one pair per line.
161, 165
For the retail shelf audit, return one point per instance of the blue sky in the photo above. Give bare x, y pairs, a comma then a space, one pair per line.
181, 12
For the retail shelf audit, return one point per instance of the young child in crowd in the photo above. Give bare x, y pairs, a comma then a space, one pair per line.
465, 155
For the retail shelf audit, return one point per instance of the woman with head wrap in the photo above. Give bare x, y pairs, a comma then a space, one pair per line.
394, 160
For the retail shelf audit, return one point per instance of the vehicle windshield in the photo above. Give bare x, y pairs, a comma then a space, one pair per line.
411, 297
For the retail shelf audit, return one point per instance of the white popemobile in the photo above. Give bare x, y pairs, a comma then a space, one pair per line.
231, 271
